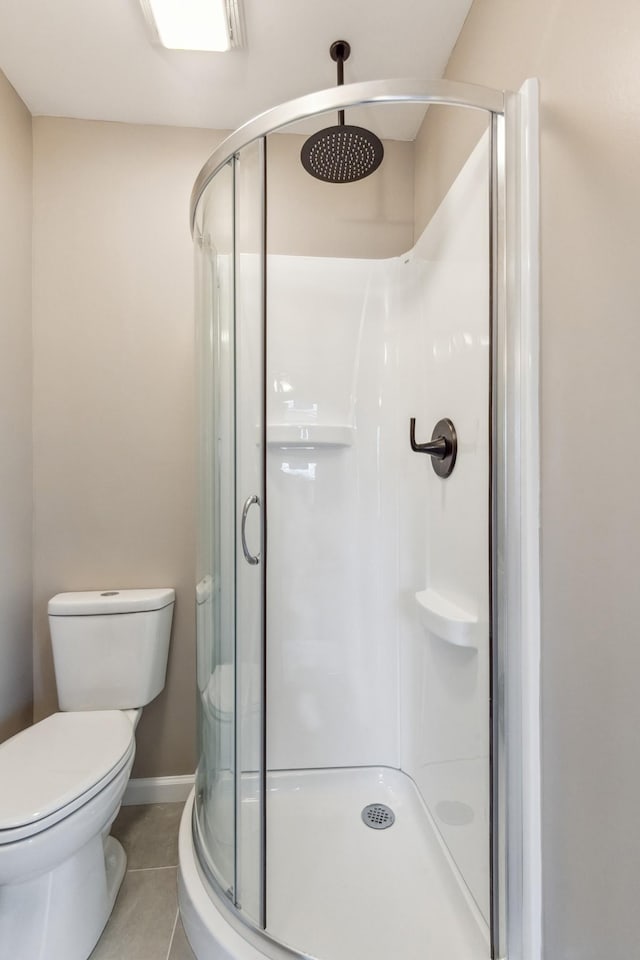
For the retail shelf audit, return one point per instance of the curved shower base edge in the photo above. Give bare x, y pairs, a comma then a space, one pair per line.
210, 931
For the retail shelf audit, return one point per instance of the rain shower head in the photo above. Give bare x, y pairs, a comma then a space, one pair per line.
342, 153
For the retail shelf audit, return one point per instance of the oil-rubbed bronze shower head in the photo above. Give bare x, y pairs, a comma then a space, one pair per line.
342, 153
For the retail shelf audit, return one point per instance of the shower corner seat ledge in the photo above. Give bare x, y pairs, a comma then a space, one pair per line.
446, 619
310, 435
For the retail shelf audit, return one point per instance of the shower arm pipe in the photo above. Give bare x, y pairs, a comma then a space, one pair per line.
341, 55
407, 91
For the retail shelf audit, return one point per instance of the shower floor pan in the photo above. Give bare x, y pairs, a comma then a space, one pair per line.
336, 889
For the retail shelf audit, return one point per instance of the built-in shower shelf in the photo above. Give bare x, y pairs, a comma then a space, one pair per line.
310, 435
446, 619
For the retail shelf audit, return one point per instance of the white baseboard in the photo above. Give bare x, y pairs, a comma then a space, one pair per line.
158, 790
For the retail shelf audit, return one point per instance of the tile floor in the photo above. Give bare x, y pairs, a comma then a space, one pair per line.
145, 924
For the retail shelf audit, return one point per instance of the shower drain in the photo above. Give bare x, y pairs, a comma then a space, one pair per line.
378, 816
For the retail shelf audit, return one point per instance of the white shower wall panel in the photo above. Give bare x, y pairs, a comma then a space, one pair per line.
332, 581
444, 703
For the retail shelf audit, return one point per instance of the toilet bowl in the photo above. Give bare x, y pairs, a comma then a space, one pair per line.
64, 778
59, 871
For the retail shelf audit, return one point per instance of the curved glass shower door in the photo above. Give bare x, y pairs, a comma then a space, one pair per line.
351, 689
230, 588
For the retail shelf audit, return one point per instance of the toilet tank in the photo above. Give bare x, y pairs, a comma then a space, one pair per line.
110, 647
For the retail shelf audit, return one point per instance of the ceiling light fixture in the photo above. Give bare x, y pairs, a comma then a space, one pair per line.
210, 25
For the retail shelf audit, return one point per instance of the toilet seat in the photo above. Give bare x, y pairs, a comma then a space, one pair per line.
58, 765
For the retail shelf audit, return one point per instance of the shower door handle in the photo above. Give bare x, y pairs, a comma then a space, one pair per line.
249, 557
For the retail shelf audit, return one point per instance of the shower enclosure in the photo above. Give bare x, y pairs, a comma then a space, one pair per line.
349, 797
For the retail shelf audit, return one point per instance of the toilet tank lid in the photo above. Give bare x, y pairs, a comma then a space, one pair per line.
88, 603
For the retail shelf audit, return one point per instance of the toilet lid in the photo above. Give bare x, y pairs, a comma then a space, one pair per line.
52, 763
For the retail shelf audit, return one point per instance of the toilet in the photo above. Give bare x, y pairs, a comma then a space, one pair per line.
62, 780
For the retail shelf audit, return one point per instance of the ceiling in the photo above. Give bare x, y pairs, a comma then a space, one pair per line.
93, 59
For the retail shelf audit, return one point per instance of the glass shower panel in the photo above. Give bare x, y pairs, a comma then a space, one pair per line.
374, 633
250, 512
378, 588
215, 589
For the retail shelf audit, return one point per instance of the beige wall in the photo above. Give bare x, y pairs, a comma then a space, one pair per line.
586, 55
15, 413
443, 143
114, 428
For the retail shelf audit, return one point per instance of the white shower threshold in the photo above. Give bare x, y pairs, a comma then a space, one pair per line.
337, 889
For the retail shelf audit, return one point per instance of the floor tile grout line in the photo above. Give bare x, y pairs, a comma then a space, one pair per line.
168, 866
173, 933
